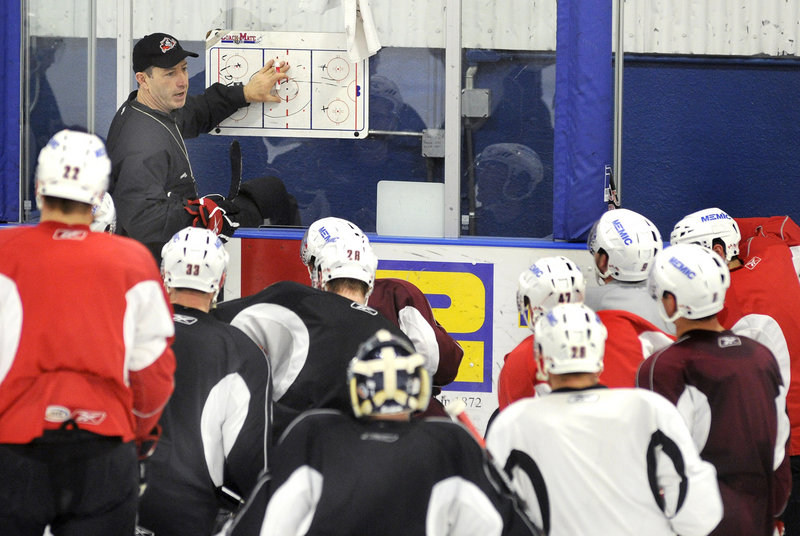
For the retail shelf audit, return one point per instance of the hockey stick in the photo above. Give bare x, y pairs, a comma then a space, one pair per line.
236, 169
457, 411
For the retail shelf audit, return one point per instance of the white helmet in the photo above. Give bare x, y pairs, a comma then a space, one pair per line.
317, 235
570, 338
548, 282
695, 275
703, 226
629, 239
73, 165
348, 256
387, 377
194, 258
105, 215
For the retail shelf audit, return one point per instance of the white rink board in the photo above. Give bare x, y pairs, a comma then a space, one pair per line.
325, 96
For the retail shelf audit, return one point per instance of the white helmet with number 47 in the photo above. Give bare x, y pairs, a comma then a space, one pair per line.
194, 258
570, 338
695, 275
73, 165
548, 282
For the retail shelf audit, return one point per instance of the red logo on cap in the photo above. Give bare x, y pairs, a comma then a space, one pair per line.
167, 44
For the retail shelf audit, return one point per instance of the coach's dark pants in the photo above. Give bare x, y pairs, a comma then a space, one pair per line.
77, 482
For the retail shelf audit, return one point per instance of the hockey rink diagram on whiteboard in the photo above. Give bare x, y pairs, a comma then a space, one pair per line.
326, 94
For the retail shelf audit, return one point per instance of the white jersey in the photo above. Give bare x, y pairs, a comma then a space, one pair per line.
627, 296
606, 461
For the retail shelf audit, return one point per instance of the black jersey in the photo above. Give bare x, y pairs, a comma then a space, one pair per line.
309, 336
215, 428
338, 475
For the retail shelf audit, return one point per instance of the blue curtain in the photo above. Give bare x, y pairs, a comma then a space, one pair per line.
584, 110
9, 117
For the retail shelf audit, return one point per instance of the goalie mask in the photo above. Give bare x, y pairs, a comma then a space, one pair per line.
695, 275
548, 282
703, 226
570, 338
73, 165
630, 240
318, 234
349, 256
194, 258
387, 377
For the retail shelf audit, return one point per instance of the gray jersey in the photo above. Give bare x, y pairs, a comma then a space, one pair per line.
632, 297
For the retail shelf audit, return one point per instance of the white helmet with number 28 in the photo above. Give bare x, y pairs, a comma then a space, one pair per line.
570, 338
317, 235
194, 258
349, 256
73, 165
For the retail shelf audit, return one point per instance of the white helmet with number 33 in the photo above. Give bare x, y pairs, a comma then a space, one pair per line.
194, 258
548, 282
570, 338
73, 165
387, 377
695, 275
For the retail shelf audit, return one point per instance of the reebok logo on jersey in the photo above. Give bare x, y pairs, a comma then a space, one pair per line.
364, 308
56, 413
727, 341
623, 234
582, 398
70, 234
752, 263
184, 319
382, 437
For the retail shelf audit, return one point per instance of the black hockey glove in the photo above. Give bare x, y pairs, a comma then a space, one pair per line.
207, 213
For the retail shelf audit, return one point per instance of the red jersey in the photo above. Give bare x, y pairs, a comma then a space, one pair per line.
767, 284
631, 339
86, 333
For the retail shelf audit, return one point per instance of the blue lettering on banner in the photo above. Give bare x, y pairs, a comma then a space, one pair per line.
715, 216
682, 268
626, 239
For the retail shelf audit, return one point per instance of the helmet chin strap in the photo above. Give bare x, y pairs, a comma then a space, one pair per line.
662, 311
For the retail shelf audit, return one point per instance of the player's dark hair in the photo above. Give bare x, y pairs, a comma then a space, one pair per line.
67, 206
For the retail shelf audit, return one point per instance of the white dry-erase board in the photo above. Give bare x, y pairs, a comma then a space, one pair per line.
325, 96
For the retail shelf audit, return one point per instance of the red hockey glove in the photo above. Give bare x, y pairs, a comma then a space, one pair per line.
208, 214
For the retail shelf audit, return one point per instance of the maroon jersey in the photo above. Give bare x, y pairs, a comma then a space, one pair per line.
726, 387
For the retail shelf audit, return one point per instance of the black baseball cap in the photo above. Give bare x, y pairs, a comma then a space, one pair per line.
159, 50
